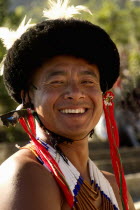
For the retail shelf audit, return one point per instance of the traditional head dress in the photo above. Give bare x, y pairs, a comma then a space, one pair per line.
61, 34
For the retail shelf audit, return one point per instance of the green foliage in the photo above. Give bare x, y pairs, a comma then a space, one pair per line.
121, 21
3, 10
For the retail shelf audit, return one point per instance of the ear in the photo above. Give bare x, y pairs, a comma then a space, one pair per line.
26, 99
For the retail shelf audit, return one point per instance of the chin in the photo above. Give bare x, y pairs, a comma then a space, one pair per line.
77, 136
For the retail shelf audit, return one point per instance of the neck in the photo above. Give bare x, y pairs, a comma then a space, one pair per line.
76, 152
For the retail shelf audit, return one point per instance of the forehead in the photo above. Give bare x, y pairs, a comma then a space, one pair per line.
64, 65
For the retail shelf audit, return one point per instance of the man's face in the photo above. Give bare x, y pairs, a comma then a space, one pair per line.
68, 98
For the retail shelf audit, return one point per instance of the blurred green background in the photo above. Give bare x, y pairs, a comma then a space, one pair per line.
120, 18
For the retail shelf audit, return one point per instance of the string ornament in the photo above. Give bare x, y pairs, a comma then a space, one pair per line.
113, 137
83, 195
29, 127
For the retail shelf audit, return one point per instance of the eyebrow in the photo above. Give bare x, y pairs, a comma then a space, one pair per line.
55, 73
88, 72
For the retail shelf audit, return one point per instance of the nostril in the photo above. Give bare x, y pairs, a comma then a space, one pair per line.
69, 97
74, 95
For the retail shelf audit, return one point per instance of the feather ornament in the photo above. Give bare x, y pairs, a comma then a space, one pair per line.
2, 65
11, 118
61, 9
9, 36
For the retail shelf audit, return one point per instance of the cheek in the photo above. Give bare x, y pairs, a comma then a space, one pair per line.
99, 104
97, 101
97, 112
95, 95
44, 102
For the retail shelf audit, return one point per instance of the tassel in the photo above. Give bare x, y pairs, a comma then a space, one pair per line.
31, 122
29, 127
113, 137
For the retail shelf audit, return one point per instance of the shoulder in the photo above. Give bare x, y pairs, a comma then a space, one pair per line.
28, 184
112, 180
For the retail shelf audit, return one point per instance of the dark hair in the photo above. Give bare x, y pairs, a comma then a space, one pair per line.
60, 37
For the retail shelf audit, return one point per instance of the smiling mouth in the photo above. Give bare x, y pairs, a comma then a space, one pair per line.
74, 111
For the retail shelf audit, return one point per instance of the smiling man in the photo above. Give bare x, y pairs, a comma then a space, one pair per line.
59, 70
68, 91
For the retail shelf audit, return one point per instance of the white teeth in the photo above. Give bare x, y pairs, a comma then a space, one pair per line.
73, 111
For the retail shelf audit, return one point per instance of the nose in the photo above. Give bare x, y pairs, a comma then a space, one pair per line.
74, 91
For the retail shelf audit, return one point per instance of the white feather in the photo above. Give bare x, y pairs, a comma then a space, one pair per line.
9, 36
2, 66
61, 9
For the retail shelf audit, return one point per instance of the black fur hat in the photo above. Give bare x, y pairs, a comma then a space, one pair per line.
60, 37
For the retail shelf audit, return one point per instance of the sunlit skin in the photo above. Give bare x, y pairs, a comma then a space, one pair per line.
68, 83
64, 84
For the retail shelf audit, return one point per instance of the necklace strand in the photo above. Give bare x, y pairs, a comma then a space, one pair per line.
84, 194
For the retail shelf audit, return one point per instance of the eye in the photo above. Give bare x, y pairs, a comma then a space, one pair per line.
57, 82
87, 82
